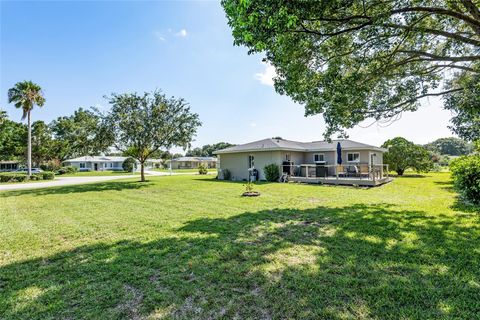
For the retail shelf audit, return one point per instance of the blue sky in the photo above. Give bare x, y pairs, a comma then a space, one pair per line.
81, 51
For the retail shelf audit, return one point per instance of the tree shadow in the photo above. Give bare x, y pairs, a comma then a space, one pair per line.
359, 261
409, 175
79, 188
459, 204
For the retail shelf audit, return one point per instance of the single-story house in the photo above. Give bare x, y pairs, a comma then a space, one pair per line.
317, 161
103, 163
192, 162
9, 165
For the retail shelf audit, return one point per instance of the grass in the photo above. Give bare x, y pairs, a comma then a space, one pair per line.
189, 247
185, 170
97, 173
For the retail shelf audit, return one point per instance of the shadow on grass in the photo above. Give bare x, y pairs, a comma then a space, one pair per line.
359, 261
409, 175
459, 204
87, 187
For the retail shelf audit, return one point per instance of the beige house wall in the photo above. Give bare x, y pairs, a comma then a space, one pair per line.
237, 163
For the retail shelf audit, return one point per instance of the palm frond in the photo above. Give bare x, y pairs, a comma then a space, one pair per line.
25, 95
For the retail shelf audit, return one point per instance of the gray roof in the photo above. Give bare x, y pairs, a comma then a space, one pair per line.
97, 159
195, 159
288, 145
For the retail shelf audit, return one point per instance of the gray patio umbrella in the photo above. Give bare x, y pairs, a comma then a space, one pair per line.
339, 153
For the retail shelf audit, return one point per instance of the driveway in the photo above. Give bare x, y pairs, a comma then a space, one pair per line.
62, 181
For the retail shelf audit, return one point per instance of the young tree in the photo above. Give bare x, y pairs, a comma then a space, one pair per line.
355, 60
403, 154
25, 95
143, 124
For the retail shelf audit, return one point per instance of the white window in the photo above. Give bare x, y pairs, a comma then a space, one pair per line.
82, 165
111, 164
251, 161
318, 157
288, 157
353, 157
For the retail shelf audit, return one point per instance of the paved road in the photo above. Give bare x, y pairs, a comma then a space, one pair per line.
65, 181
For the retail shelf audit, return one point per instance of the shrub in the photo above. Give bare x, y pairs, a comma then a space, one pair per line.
51, 165
36, 176
466, 177
272, 172
12, 177
128, 164
48, 175
227, 175
67, 170
202, 169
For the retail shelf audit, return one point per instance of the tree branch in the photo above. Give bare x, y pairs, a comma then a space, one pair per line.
475, 24
436, 32
440, 58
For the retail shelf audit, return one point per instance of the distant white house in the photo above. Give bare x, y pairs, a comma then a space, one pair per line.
104, 163
192, 162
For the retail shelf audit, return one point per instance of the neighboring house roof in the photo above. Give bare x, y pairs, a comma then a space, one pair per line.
288, 145
9, 161
97, 159
193, 159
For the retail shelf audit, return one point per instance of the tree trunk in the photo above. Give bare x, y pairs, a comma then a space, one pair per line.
142, 172
400, 172
29, 152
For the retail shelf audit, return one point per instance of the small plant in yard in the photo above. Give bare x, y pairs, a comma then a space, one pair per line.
48, 175
249, 190
227, 175
272, 172
202, 169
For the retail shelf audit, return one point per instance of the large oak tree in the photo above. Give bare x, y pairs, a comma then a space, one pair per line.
142, 124
368, 59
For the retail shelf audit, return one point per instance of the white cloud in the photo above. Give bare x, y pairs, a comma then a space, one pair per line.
266, 76
253, 124
159, 36
182, 33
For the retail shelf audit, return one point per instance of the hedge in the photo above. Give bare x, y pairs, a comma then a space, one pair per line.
466, 177
12, 177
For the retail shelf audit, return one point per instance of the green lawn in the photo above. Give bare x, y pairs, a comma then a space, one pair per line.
98, 173
189, 247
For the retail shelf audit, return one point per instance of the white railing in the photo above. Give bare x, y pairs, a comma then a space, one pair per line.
350, 170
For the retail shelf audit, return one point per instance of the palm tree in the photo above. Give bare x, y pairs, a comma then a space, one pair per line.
25, 95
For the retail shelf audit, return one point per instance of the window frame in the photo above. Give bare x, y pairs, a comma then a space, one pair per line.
319, 154
251, 161
353, 153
